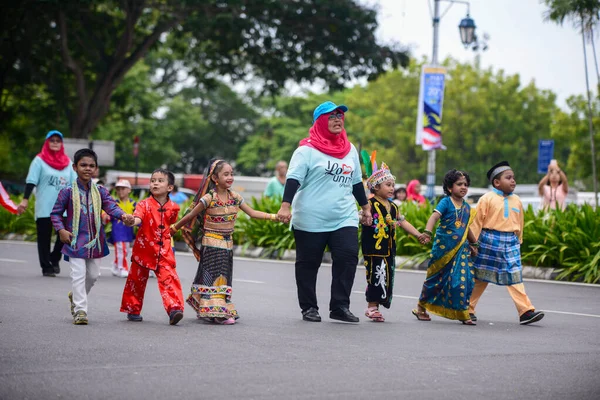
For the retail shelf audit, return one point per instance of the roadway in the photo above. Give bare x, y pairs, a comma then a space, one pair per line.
272, 354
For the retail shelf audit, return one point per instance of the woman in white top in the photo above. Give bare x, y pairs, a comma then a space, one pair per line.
325, 172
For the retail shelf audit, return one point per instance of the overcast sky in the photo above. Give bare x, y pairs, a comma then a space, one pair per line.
520, 40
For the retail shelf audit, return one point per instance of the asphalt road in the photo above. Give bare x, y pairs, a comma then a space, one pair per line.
272, 354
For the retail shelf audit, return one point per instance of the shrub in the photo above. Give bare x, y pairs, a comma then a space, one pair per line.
569, 240
275, 237
23, 224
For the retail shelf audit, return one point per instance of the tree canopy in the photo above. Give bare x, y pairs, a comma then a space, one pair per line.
488, 117
78, 52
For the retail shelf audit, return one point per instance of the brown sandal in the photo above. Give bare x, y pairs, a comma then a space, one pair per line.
421, 315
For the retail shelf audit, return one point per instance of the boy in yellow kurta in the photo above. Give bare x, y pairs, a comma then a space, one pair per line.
499, 227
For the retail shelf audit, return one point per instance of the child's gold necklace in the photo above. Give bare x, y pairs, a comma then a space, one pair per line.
458, 213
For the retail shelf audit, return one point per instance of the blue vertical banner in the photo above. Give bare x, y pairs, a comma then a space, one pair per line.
431, 100
545, 155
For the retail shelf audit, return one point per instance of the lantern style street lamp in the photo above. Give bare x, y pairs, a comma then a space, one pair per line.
467, 31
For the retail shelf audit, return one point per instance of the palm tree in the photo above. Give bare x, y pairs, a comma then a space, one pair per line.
584, 14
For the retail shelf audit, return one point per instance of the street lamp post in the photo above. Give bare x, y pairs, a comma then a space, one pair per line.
467, 36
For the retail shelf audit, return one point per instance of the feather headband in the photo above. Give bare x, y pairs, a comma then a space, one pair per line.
375, 176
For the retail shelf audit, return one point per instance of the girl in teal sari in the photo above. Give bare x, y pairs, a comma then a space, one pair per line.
449, 283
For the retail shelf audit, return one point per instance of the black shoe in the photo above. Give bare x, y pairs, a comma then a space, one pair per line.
134, 317
56, 268
473, 317
343, 314
530, 317
175, 316
311, 315
50, 274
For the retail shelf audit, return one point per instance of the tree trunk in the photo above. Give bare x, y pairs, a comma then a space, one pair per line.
590, 122
89, 111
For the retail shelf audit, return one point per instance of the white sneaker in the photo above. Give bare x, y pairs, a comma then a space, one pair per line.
123, 273
115, 271
152, 274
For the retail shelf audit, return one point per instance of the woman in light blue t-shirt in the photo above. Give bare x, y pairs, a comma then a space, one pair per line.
324, 182
50, 171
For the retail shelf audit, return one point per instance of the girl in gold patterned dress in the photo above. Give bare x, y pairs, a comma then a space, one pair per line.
215, 209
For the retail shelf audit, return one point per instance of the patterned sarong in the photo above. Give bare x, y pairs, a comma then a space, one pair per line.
499, 258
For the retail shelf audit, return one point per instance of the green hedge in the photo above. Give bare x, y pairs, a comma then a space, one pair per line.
568, 240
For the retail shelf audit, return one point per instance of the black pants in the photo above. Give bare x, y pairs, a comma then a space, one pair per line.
48, 260
310, 247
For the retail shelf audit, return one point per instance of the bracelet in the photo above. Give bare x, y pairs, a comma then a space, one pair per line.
475, 244
270, 217
428, 232
173, 227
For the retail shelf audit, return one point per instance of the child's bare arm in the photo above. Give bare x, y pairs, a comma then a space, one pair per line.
195, 211
435, 217
408, 227
252, 213
471, 237
136, 221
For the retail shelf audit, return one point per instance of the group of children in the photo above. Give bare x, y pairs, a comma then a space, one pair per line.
85, 241
470, 248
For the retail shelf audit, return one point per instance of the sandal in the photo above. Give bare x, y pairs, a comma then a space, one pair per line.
374, 314
421, 315
468, 322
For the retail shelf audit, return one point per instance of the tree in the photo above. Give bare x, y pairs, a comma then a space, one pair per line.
584, 14
570, 130
488, 116
181, 132
82, 50
276, 137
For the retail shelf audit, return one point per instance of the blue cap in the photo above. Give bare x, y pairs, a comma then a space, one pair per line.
327, 107
52, 133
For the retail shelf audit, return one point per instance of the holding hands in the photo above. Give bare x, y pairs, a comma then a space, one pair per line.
128, 219
284, 214
365, 216
22, 206
474, 249
424, 238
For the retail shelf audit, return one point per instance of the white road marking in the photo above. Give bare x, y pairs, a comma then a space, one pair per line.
13, 261
271, 261
247, 281
394, 295
545, 311
571, 313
